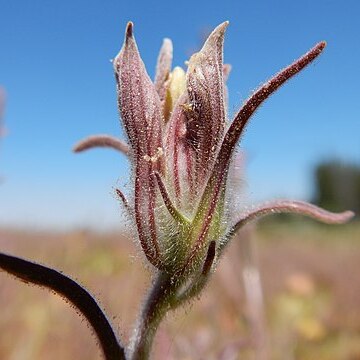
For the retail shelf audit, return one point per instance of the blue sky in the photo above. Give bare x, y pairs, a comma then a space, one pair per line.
60, 87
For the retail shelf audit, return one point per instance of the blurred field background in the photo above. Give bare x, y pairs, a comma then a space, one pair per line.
311, 284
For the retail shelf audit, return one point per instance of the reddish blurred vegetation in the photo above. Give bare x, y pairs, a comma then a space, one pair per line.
311, 286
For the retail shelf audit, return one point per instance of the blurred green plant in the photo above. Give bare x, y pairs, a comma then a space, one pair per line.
337, 185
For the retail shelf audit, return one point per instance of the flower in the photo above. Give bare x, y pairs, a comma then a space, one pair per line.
181, 146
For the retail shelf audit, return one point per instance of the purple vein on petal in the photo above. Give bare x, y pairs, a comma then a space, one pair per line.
176, 147
210, 256
168, 203
105, 141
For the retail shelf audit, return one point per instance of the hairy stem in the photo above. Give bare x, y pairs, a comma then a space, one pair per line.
166, 295
156, 305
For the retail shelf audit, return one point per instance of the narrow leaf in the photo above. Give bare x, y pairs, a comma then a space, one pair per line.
289, 206
101, 141
169, 205
122, 197
206, 109
43, 276
140, 109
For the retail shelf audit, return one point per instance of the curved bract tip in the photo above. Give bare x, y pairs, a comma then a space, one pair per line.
322, 44
103, 141
217, 33
295, 207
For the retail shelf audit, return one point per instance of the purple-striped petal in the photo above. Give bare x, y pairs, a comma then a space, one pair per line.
140, 110
163, 68
138, 101
180, 158
206, 109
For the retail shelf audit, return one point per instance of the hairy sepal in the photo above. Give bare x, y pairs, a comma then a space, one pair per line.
140, 110
206, 108
179, 155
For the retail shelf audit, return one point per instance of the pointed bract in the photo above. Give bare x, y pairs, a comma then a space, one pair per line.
290, 207
140, 110
138, 101
206, 109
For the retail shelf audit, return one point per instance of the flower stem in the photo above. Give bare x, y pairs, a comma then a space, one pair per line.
156, 305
